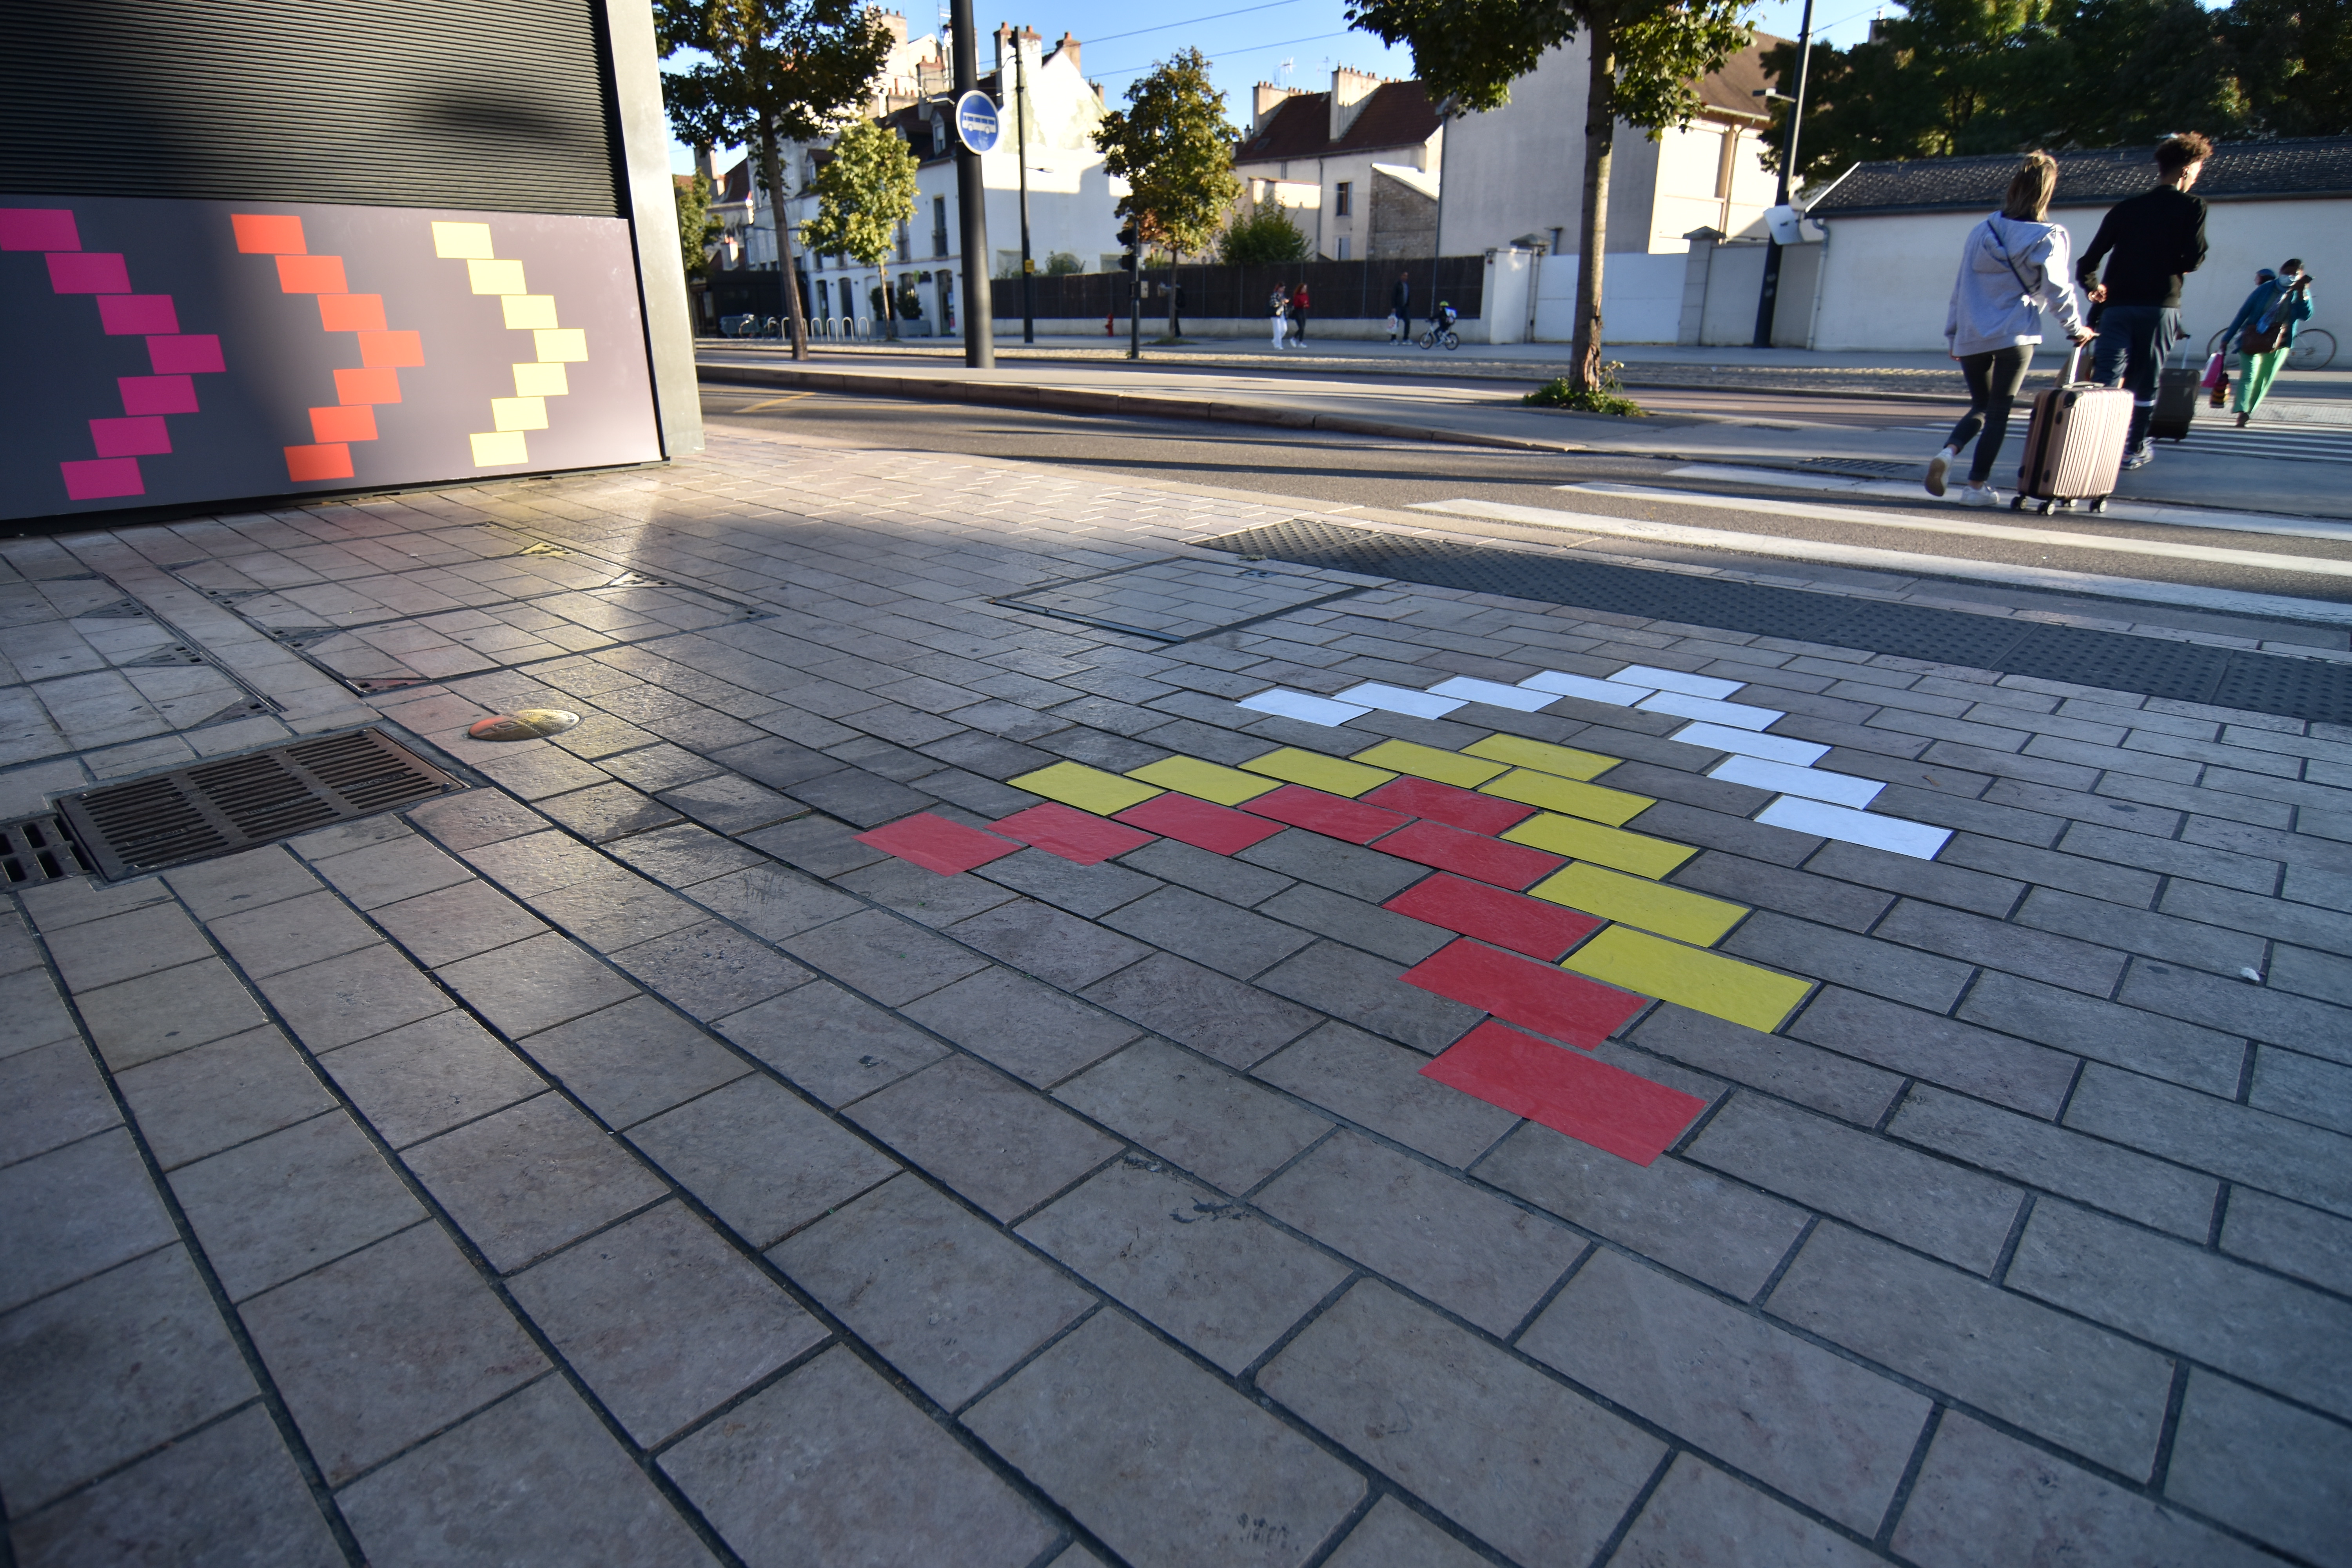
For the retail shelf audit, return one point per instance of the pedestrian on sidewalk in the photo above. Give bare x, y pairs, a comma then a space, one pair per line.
2148, 243
1400, 308
2268, 319
1280, 306
1299, 308
2012, 267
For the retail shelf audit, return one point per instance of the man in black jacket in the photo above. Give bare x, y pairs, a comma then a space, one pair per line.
1401, 307
2148, 243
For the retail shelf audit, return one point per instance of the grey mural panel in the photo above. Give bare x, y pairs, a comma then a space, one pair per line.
157, 353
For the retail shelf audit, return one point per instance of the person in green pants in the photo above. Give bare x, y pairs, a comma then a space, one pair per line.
2281, 301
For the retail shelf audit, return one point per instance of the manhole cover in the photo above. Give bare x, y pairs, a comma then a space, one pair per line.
38, 849
255, 798
1868, 467
1175, 601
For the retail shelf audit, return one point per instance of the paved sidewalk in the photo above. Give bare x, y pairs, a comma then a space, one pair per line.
661, 1152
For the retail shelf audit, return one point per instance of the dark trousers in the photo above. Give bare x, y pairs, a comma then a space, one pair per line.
2133, 341
1298, 323
1994, 378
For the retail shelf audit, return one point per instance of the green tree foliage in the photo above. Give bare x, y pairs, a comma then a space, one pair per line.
865, 189
696, 227
767, 69
1961, 76
1062, 262
1645, 61
1172, 146
1266, 237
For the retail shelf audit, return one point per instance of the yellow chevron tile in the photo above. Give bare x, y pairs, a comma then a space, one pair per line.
1316, 770
1226, 786
1089, 789
1541, 755
1429, 763
1528, 787
1579, 840
1689, 976
1637, 901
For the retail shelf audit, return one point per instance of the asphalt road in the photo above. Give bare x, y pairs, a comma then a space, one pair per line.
2202, 570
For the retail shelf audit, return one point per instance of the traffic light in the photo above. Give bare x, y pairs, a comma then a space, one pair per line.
1127, 244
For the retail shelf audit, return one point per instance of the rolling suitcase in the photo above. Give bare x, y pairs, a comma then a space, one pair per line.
2176, 386
2074, 443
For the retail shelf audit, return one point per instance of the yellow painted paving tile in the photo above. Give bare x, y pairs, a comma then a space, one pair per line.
1613, 807
1429, 763
1580, 840
1638, 902
1691, 977
1089, 789
1316, 770
1543, 757
1226, 786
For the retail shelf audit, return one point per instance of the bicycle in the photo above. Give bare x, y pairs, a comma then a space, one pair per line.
1432, 335
2315, 349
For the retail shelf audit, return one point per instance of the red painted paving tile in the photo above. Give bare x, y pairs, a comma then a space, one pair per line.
1327, 814
1589, 1100
1455, 807
1072, 834
1513, 866
1531, 926
938, 844
1203, 825
1551, 1000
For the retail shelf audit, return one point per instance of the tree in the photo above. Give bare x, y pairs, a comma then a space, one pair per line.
1062, 262
696, 227
865, 189
1645, 58
773, 68
1175, 150
1266, 237
2294, 64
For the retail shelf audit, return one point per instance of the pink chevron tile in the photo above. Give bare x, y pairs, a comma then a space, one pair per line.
157, 393
87, 272
198, 354
38, 228
96, 480
140, 435
136, 315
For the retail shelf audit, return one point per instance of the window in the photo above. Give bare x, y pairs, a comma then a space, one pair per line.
939, 225
1343, 248
906, 241
1342, 200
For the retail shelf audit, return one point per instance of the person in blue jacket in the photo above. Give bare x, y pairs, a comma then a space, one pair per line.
2280, 303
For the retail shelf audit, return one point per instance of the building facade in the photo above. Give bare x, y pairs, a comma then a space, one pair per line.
1356, 166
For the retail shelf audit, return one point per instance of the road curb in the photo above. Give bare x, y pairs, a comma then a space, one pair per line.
1082, 400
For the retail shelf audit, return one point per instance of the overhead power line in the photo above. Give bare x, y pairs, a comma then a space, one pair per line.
1215, 16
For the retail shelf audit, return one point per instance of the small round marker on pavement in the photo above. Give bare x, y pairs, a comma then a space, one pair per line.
523, 724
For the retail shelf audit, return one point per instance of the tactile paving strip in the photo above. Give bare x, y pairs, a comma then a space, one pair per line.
2188, 672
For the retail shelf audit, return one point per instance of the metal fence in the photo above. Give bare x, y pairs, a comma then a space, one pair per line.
1344, 290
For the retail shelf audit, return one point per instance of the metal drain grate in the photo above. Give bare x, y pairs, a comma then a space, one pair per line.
38, 849
1861, 467
257, 797
2308, 689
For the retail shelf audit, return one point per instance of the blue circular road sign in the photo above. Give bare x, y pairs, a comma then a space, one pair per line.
975, 120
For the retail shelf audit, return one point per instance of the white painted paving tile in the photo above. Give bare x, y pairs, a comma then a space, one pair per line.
1561, 683
1658, 679
1494, 694
1823, 820
1682, 705
1288, 704
1400, 700
1747, 744
1814, 783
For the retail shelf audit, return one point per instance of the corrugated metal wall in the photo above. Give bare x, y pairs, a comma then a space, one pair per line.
501, 105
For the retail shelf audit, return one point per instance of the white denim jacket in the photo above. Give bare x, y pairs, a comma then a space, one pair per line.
2011, 270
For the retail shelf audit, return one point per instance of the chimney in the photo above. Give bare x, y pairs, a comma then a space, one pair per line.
1349, 90
896, 22
1068, 45
705, 163
1265, 102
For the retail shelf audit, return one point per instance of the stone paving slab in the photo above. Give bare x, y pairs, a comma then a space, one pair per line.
622, 1160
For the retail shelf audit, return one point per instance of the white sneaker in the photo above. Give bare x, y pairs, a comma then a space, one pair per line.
1938, 467
2141, 456
1979, 495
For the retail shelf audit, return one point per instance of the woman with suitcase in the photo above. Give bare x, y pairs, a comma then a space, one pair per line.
2264, 327
2012, 267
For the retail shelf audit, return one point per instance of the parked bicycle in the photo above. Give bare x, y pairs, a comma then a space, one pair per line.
2315, 348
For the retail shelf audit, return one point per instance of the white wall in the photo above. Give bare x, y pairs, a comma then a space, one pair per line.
1641, 298
1889, 279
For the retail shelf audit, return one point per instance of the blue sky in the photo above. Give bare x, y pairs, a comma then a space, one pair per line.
1249, 41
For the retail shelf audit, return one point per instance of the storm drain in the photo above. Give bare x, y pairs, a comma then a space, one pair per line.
255, 798
2310, 688
1861, 467
38, 849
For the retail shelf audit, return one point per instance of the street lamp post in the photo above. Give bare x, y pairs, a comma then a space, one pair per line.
1021, 146
972, 206
1767, 302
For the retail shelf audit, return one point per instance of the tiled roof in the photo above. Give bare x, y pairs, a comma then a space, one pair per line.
1732, 89
2309, 166
1394, 114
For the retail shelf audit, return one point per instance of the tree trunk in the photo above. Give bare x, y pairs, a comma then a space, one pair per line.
1174, 256
1592, 229
889, 301
772, 173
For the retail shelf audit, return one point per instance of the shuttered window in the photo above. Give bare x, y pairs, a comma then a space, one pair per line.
501, 105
